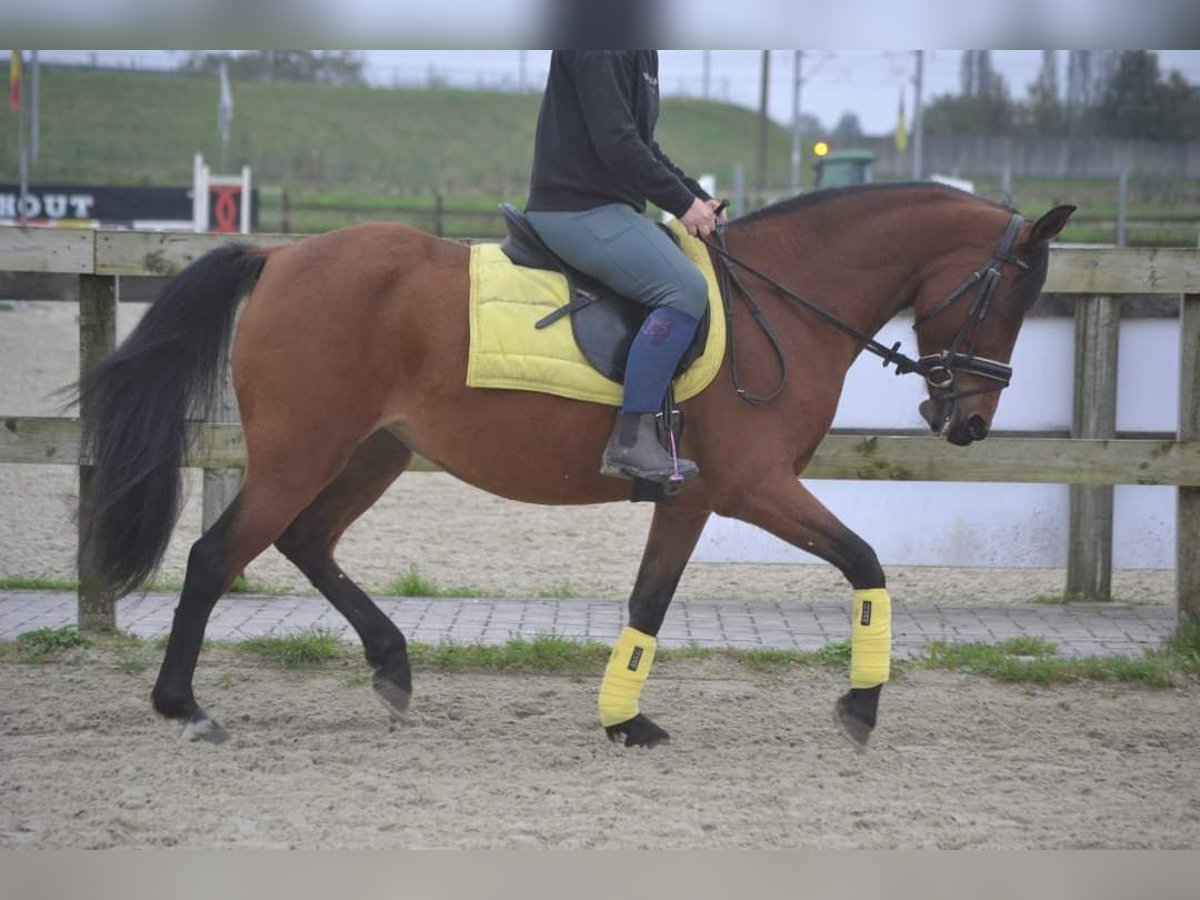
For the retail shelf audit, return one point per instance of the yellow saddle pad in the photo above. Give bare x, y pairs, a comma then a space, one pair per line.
507, 351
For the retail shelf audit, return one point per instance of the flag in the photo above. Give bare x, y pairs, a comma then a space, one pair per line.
901, 136
14, 79
224, 105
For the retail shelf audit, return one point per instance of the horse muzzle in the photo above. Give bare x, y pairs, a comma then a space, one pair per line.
968, 429
936, 414
958, 425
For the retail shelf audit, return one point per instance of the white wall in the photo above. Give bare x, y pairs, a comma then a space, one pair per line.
992, 524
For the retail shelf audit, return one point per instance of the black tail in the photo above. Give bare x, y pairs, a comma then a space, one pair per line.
136, 403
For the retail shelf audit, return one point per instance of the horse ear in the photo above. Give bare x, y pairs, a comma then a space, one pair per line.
1048, 226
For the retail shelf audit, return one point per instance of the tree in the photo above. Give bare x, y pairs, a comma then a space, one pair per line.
989, 114
983, 107
1135, 100
1044, 112
1139, 104
848, 130
1182, 101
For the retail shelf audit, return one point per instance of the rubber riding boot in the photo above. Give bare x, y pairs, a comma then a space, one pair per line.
634, 451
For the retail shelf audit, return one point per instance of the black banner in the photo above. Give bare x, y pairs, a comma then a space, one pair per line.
108, 204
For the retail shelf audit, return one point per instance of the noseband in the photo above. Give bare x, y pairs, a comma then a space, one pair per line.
937, 369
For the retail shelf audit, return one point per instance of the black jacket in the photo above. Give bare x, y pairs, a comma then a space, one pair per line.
595, 136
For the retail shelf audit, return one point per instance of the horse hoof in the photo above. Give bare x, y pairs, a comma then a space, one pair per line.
202, 728
854, 727
638, 731
394, 697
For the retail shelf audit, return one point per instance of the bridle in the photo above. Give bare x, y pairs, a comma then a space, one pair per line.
960, 357
937, 369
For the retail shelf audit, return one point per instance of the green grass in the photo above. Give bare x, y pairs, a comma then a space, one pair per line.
558, 592
1049, 599
36, 583
1184, 645
294, 651
394, 144
1020, 660
545, 653
49, 583
413, 584
44, 644
1034, 661
244, 585
241, 586
1025, 645
835, 654
128, 664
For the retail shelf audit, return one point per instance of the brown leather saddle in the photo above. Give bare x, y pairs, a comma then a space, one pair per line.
603, 322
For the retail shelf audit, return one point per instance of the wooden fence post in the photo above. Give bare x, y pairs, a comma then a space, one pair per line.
97, 338
1187, 523
1089, 549
439, 215
221, 486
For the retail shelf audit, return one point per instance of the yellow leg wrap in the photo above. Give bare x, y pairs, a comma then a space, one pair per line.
628, 668
871, 640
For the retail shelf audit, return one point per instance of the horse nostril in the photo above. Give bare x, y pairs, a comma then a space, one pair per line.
977, 428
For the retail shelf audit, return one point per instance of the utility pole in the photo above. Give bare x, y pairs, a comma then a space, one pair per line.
521, 84
760, 183
707, 68
918, 119
797, 134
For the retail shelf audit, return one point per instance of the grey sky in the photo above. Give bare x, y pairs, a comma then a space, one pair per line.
867, 82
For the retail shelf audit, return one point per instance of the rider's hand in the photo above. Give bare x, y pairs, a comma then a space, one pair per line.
699, 219
723, 215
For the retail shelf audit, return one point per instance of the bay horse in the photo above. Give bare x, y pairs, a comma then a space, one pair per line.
350, 354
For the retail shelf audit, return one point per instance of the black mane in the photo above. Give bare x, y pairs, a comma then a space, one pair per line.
824, 195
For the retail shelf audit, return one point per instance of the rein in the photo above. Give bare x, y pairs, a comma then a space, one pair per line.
937, 369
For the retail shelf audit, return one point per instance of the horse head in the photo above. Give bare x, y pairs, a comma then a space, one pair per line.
966, 333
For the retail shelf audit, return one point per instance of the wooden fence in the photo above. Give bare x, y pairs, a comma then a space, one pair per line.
1092, 460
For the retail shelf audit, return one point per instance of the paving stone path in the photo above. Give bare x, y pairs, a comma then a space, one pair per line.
1078, 629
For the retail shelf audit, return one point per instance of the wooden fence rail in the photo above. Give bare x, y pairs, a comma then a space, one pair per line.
1091, 460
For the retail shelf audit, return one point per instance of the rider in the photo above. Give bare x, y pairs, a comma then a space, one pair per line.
595, 165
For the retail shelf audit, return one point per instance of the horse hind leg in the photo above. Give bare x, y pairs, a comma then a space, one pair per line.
264, 507
309, 543
209, 576
673, 535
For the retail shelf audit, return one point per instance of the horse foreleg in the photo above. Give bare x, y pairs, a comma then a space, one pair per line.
786, 509
309, 543
673, 535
